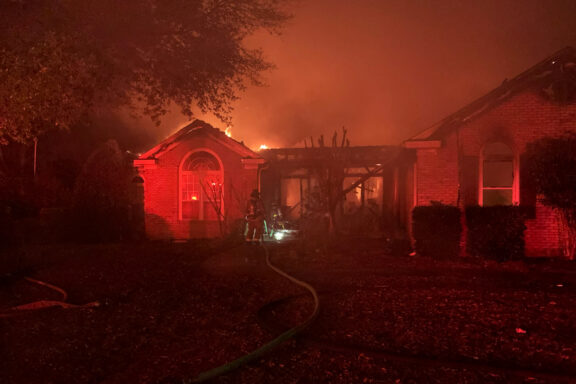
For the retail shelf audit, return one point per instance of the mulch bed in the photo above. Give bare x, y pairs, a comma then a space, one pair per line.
171, 311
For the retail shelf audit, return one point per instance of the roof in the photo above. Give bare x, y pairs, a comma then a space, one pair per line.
196, 128
546, 75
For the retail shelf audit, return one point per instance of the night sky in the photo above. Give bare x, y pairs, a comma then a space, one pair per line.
388, 69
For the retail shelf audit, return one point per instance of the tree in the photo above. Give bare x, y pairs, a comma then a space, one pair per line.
330, 172
101, 196
551, 166
61, 59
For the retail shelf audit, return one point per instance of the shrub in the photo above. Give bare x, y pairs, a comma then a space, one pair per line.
550, 164
100, 209
436, 230
495, 233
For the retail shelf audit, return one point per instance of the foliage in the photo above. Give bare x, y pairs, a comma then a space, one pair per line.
101, 196
495, 232
551, 166
436, 230
60, 59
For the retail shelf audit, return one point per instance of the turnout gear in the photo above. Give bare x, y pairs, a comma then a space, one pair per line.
255, 218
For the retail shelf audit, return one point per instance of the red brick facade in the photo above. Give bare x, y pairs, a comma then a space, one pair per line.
450, 174
160, 170
442, 164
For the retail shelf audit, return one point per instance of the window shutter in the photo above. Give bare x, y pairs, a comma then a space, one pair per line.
527, 190
469, 180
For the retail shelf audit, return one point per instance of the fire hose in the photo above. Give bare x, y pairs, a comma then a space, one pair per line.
41, 304
243, 360
420, 359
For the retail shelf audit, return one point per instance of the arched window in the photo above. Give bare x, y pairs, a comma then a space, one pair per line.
498, 176
201, 191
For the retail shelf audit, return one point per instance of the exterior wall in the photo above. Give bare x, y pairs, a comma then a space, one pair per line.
518, 121
161, 192
436, 174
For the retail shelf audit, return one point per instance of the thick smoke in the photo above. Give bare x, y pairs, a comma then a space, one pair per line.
388, 69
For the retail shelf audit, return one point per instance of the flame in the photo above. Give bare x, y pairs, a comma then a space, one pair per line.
194, 198
263, 146
228, 131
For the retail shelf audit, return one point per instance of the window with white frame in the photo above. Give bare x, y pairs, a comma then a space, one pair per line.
498, 180
201, 188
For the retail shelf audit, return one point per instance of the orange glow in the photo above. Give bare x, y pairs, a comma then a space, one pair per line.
228, 132
263, 146
194, 198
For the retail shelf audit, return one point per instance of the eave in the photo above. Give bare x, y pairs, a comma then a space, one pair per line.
250, 163
423, 144
146, 163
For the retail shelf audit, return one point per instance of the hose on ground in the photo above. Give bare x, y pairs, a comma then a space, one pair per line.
42, 304
420, 359
230, 366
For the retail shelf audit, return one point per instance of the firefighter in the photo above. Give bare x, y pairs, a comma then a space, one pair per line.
255, 218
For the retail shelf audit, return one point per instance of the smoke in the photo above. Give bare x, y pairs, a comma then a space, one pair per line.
388, 69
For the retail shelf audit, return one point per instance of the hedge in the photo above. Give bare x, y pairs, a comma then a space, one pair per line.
436, 230
495, 233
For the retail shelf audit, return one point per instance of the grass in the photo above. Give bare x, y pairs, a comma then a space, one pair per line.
171, 311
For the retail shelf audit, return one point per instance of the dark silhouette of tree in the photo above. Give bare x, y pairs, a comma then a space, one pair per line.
101, 200
551, 166
329, 170
61, 59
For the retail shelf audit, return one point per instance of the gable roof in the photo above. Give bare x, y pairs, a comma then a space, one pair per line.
196, 128
546, 75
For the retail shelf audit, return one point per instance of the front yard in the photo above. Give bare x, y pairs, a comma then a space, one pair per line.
170, 311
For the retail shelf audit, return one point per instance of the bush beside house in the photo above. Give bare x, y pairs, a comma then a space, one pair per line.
436, 230
495, 233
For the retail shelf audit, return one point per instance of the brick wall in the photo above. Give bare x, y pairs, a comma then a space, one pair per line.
518, 121
161, 192
437, 175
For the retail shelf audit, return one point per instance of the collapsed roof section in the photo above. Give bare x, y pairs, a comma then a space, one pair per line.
198, 128
357, 156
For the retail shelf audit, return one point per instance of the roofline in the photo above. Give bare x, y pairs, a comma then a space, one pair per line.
422, 144
145, 163
505, 90
214, 133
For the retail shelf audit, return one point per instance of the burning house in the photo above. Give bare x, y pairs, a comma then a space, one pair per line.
196, 181
361, 183
475, 157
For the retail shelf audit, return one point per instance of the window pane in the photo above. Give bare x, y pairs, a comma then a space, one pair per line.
190, 187
497, 197
201, 161
498, 174
211, 195
201, 187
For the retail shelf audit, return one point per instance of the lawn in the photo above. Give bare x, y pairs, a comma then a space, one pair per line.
170, 311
